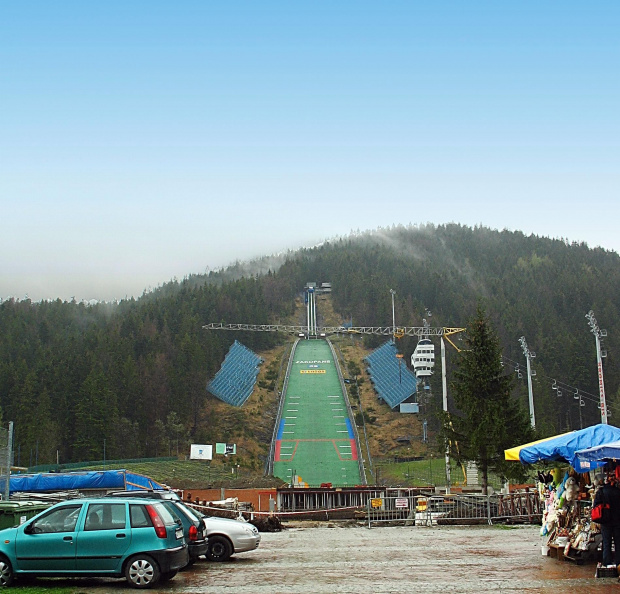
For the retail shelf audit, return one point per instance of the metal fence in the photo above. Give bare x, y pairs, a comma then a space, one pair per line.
392, 510
457, 509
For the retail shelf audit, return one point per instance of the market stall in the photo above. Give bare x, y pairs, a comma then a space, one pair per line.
567, 492
513, 453
564, 447
592, 457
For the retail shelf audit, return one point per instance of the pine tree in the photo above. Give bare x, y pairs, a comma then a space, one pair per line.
489, 419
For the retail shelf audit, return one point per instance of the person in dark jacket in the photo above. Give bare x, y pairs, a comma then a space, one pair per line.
610, 524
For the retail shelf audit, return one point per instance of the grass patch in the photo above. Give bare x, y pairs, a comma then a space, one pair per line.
34, 589
196, 474
429, 472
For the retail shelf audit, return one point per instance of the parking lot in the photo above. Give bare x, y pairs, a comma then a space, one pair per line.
330, 558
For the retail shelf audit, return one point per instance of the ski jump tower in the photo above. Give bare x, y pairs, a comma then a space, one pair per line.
310, 299
310, 293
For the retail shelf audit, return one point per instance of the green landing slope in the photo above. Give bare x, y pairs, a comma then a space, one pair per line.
315, 440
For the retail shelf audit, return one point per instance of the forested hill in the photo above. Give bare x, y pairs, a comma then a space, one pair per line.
134, 373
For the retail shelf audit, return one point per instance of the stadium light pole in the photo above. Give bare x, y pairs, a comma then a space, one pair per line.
393, 292
528, 356
598, 334
444, 387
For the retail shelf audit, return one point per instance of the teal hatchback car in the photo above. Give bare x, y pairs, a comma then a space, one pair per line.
137, 539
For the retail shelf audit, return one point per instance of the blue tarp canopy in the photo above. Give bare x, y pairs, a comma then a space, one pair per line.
565, 447
97, 480
590, 457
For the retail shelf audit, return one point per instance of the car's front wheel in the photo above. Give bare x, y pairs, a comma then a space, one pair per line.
141, 571
6, 572
219, 549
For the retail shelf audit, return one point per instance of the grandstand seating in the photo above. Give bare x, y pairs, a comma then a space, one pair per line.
235, 380
393, 385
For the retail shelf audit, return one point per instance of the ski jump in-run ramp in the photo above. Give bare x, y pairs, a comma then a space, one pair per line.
315, 440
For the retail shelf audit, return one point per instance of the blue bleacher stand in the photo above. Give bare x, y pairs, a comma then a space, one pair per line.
235, 380
393, 385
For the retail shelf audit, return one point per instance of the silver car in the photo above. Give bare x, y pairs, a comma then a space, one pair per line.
227, 537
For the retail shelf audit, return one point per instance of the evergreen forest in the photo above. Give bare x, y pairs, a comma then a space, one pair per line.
130, 377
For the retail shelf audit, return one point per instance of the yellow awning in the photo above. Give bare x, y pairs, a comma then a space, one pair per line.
513, 453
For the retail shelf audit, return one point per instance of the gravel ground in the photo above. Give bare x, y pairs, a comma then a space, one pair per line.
329, 558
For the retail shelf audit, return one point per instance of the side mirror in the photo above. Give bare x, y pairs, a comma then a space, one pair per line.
29, 529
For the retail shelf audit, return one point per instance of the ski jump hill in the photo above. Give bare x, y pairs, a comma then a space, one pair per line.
315, 438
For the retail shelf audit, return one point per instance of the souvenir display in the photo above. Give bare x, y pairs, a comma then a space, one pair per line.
567, 527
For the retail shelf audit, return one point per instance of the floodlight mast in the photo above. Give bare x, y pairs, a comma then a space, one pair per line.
446, 333
393, 292
528, 356
598, 334
444, 387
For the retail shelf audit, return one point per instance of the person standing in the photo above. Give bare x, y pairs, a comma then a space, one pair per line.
610, 522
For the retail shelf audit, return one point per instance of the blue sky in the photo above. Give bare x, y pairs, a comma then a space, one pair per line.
142, 141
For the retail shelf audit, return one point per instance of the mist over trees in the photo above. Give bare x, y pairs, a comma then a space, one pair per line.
132, 375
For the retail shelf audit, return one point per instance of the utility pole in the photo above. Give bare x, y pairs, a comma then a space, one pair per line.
9, 461
444, 387
600, 354
528, 356
393, 292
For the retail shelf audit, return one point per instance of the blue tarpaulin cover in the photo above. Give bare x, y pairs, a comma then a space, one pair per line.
565, 447
590, 457
99, 480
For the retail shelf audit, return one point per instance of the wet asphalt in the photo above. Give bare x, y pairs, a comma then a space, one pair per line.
331, 558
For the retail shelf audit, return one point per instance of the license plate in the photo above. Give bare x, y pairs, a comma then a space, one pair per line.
179, 533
